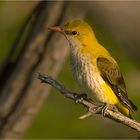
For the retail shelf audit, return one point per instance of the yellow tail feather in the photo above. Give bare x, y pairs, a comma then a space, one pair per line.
123, 110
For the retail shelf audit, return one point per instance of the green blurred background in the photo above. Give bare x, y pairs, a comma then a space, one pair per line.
58, 117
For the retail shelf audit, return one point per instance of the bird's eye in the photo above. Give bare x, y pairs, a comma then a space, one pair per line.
74, 32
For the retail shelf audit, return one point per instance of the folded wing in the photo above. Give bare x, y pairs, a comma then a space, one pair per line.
110, 72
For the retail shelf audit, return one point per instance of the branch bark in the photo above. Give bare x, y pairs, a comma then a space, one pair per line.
92, 107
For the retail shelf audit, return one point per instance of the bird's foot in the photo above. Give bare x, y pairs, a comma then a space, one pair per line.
80, 97
102, 109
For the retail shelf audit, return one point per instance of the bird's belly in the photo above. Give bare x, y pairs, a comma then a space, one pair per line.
90, 81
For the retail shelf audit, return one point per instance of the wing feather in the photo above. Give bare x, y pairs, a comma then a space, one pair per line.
110, 72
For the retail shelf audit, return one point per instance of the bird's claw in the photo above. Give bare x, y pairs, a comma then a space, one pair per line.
80, 97
104, 107
101, 109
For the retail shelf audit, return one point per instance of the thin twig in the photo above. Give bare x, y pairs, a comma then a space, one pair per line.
109, 112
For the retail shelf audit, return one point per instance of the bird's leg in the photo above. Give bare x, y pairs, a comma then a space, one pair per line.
104, 107
80, 97
95, 110
83, 96
98, 109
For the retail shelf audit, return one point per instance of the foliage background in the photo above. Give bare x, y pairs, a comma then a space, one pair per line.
58, 117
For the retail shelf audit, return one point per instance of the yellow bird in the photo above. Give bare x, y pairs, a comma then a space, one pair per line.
94, 68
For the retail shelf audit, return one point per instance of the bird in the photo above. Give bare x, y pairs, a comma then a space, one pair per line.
95, 70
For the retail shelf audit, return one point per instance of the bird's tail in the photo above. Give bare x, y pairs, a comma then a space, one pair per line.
125, 111
133, 107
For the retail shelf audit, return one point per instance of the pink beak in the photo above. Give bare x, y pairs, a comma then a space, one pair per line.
56, 29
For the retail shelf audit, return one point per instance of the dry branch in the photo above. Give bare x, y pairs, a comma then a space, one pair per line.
93, 108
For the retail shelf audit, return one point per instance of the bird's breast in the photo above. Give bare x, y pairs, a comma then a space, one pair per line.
84, 71
89, 79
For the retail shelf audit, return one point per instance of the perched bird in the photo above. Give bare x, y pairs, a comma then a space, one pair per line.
94, 68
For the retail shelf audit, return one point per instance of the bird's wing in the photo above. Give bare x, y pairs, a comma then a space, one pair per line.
111, 74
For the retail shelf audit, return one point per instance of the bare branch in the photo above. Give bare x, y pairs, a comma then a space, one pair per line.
93, 108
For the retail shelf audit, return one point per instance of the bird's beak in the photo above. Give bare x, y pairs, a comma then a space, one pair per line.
60, 30
56, 29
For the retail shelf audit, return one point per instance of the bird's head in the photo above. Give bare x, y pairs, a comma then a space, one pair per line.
77, 32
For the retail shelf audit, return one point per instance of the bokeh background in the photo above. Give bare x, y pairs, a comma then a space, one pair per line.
116, 25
